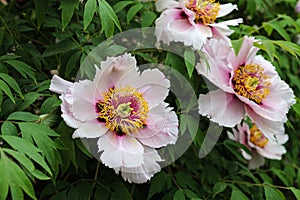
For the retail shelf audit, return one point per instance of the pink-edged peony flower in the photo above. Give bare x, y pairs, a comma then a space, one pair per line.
125, 110
258, 144
247, 85
192, 21
297, 8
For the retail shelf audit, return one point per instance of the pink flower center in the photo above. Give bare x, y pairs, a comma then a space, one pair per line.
257, 138
124, 110
250, 82
206, 11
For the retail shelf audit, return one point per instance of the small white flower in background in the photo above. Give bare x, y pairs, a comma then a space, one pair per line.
4, 2
297, 8
192, 21
258, 144
125, 111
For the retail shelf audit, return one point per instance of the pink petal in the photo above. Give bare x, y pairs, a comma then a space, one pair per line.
272, 151
165, 4
191, 35
161, 129
247, 52
162, 31
217, 71
256, 161
112, 70
67, 114
268, 127
59, 85
222, 108
151, 83
120, 151
144, 172
84, 102
90, 129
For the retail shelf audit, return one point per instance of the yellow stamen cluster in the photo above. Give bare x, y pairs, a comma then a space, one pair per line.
206, 11
257, 138
124, 110
250, 82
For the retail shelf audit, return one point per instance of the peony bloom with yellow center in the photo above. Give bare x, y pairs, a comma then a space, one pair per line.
247, 85
258, 144
193, 21
125, 111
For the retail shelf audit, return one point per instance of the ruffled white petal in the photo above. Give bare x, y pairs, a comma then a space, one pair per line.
268, 127
112, 69
59, 85
165, 4
144, 172
90, 129
84, 101
222, 108
120, 151
225, 9
161, 129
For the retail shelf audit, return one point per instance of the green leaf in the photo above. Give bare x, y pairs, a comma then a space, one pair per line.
72, 62
184, 180
16, 192
158, 183
4, 87
21, 158
108, 18
41, 7
148, 18
121, 5
29, 98
237, 194
219, 187
282, 176
24, 69
23, 116
1, 37
236, 45
133, 11
40, 134
15, 176
9, 128
60, 47
179, 195
90, 9
269, 48
296, 192
280, 30
296, 108
49, 105
230, 143
189, 59
120, 191
68, 7
4, 184
12, 83
290, 47
272, 193
27, 148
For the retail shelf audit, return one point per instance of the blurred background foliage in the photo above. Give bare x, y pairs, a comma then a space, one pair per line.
39, 38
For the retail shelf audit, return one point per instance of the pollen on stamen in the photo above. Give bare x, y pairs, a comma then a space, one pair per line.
124, 110
250, 82
206, 11
257, 137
